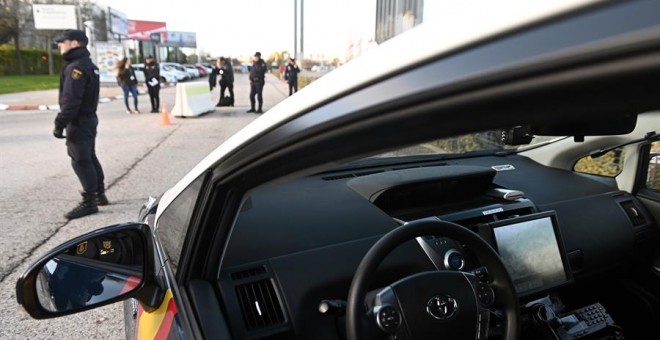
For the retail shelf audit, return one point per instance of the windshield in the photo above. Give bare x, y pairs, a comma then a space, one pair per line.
465, 145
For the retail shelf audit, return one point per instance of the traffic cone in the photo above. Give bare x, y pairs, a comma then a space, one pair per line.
164, 116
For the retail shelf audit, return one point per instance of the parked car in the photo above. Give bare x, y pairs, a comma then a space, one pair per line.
192, 70
208, 67
167, 76
202, 70
466, 179
181, 72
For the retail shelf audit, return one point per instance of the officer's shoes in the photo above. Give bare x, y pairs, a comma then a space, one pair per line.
84, 208
251, 111
259, 111
101, 199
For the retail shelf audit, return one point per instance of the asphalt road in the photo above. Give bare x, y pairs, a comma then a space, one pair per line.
140, 157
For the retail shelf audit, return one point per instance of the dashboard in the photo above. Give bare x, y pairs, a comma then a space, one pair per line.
298, 243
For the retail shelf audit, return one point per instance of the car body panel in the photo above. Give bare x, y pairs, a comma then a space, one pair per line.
163, 323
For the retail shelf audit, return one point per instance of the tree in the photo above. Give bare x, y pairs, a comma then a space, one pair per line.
10, 28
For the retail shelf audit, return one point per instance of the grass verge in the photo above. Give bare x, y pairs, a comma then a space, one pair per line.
12, 84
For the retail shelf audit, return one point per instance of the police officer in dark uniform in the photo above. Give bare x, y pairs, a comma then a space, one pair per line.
226, 79
152, 79
291, 75
78, 99
257, 82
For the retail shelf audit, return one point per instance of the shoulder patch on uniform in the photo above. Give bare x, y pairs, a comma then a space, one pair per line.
76, 74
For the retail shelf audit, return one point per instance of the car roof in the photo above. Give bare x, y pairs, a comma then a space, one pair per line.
460, 27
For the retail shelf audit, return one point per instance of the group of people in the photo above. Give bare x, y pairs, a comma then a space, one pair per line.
127, 80
79, 90
223, 74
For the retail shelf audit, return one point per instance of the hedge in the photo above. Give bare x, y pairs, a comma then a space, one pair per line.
32, 61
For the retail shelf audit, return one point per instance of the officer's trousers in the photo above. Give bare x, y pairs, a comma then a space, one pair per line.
229, 86
154, 97
257, 89
80, 143
293, 86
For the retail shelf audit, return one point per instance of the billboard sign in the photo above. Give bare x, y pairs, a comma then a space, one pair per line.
181, 39
118, 22
54, 17
141, 30
107, 56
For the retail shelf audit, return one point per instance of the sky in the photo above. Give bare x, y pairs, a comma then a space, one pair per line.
239, 28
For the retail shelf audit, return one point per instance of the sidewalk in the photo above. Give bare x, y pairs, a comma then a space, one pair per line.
48, 99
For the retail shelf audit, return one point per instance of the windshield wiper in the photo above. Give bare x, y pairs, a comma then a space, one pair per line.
650, 136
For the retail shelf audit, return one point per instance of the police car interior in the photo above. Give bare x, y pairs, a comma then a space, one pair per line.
505, 190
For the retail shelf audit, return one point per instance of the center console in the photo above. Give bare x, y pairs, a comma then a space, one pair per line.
548, 320
532, 249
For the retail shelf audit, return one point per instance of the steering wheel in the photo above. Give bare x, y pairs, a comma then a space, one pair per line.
436, 304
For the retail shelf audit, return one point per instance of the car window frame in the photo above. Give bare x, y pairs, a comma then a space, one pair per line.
252, 165
640, 189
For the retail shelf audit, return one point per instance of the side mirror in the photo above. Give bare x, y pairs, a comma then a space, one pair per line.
93, 270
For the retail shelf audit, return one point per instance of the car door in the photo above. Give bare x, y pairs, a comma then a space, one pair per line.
440, 97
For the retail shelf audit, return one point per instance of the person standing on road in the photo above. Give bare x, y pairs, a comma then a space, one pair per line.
128, 82
226, 79
291, 75
225, 72
257, 82
78, 100
152, 79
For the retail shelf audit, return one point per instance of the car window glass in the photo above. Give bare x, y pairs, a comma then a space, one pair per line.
653, 174
175, 221
609, 165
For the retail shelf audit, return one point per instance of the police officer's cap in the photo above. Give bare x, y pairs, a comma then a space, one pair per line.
258, 54
76, 35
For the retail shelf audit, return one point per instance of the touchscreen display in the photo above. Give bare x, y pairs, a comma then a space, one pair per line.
531, 250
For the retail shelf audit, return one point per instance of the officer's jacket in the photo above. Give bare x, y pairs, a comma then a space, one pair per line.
79, 88
292, 73
258, 71
227, 73
151, 71
213, 77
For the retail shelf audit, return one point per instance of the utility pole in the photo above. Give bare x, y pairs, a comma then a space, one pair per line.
302, 30
295, 28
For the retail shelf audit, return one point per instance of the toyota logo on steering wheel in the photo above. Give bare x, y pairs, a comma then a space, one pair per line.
442, 307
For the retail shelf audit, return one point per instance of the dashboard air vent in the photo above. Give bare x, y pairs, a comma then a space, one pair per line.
248, 273
260, 305
634, 213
